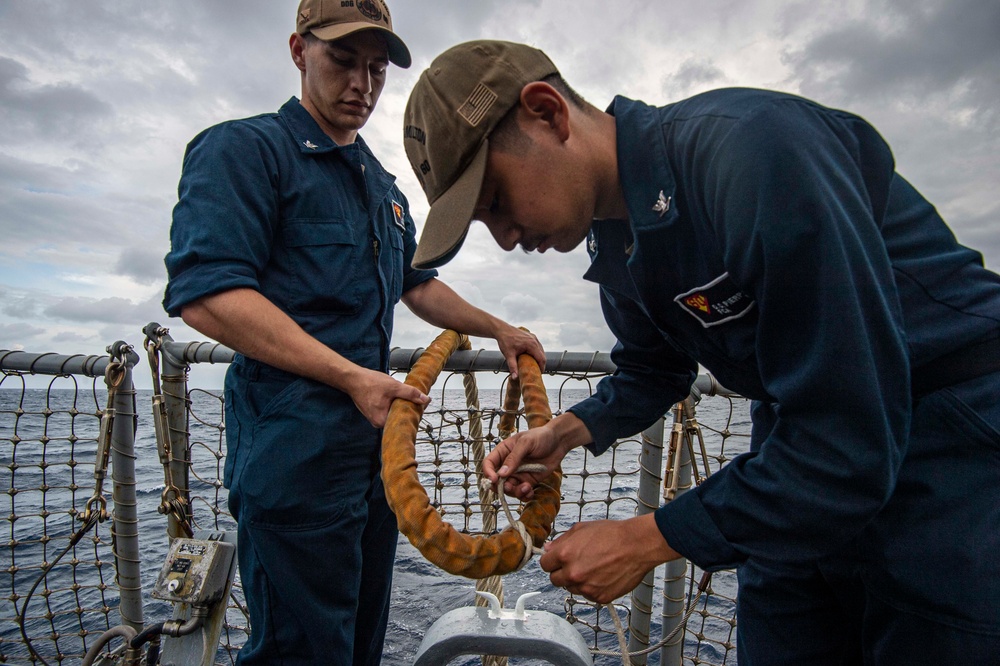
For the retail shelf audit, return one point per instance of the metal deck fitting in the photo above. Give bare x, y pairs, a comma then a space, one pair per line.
503, 632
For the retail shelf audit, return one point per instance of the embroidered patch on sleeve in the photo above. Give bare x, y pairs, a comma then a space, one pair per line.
715, 303
397, 213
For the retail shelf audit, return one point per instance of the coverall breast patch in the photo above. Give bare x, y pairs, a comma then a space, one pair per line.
715, 303
397, 214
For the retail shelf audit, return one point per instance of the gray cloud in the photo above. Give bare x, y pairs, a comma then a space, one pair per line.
142, 264
981, 233
72, 337
67, 214
41, 201
100, 99
87, 310
18, 334
521, 307
692, 75
113, 309
576, 335
58, 110
934, 48
924, 73
19, 305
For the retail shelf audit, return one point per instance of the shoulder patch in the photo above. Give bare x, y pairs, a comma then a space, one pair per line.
397, 215
715, 303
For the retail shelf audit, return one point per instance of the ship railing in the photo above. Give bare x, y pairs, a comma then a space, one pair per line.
73, 568
185, 436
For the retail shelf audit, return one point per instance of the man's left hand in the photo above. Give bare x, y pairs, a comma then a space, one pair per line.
514, 341
603, 560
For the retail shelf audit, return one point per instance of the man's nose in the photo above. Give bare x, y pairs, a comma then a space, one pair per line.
361, 80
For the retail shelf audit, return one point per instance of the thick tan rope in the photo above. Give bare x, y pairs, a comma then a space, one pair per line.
491, 584
438, 541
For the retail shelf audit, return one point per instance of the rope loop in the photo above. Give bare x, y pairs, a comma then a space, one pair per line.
439, 542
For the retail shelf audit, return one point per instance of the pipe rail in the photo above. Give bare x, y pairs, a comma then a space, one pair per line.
88, 365
402, 359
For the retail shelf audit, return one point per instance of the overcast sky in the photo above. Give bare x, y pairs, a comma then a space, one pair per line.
99, 98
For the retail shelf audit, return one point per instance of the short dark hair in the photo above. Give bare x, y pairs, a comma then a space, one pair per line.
559, 83
507, 136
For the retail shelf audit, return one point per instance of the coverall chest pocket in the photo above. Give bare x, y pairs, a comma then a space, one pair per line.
323, 256
396, 265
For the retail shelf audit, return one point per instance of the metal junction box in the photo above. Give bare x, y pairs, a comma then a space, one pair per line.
195, 572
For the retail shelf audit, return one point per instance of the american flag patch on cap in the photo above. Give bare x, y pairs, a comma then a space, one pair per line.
478, 103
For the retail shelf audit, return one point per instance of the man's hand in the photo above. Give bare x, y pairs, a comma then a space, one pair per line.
603, 560
535, 446
373, 393
514, 341
438, 305
547, 446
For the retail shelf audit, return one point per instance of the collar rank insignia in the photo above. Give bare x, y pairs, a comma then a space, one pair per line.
309, 144
397, 213
662, 204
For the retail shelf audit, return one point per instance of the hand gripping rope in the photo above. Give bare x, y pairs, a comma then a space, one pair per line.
462, 554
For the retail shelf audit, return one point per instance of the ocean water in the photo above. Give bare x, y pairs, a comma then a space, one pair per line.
421, 591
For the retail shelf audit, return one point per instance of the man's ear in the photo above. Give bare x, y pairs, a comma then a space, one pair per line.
297, 47
541, 102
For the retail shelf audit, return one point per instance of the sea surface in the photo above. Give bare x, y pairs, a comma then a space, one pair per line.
35, 445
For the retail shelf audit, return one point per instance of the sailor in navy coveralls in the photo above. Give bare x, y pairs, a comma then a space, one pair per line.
292, 245
769, 239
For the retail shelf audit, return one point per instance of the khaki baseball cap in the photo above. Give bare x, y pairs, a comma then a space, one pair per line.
334, 19
454, 106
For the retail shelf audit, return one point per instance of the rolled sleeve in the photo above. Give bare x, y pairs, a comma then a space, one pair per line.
225, 217
599, 421
691, 531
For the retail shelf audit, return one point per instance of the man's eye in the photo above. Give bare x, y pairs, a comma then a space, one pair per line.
378, 71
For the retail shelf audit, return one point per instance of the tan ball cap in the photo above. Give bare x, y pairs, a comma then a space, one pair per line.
454, 106
335, 19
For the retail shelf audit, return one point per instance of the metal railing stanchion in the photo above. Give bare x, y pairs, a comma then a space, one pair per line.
122, 400
650, 478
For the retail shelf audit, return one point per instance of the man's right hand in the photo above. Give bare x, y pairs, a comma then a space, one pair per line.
246, 321
546, 446
373, 393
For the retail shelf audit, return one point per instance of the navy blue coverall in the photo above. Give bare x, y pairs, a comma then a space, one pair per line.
771, 240
271, 203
